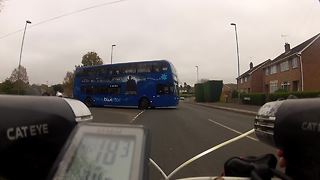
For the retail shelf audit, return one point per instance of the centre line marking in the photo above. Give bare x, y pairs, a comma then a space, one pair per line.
233, 130
136, 116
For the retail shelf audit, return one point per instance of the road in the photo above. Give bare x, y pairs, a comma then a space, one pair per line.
179, 134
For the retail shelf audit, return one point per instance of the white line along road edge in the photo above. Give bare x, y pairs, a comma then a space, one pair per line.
134, 118
233, 130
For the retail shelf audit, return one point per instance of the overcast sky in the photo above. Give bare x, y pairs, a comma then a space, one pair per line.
186, 32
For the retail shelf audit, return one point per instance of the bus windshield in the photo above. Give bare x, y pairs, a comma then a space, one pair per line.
137, 84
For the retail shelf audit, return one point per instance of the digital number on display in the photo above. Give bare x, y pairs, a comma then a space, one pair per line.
102, 157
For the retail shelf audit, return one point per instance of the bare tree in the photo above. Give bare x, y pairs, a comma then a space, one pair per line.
1, 4
23, 75
68, 84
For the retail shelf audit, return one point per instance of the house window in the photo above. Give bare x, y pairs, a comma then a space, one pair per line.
284, 66
285, 86
273, 69
245, 79
273, 86
295, 62
267, 71
241, 80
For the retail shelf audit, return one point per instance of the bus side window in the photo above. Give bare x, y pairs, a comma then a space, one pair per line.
164, 89
130, 69
164, 66
90, 72
85, 72
87, 89
144, 68
101, 71
114, 90
156, 67
79, 72
116, 71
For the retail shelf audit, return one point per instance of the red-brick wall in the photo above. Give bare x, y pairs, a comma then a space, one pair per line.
244, 86
256, 81
311, 67
293, 74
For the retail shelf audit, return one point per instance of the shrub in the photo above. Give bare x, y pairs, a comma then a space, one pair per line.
234, 94
253, 98
277, 96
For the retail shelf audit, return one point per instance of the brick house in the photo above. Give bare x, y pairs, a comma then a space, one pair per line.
297, 69
226, 94
251, 81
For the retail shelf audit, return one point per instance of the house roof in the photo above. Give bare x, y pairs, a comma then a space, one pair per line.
250, 71
296, 50
230, 86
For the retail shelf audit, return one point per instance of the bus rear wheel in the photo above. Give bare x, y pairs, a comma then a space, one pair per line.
88, 102
144, 103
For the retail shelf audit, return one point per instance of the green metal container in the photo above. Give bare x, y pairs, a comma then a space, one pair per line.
198, 88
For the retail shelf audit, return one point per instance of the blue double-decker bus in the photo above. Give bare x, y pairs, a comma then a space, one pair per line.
136, 84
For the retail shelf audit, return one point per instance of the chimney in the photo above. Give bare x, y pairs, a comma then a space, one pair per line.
251, 65
287, 47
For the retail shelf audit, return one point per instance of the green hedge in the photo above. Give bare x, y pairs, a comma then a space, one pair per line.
260, 98
276, 96
253, 98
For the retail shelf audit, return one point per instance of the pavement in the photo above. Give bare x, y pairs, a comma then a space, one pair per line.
234, 107
180, 134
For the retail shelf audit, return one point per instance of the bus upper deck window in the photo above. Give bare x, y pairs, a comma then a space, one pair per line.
130, 69
156, 67
104, 71
164, 66
144, 68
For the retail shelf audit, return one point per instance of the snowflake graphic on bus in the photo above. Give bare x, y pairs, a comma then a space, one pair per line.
164, 77
137, 84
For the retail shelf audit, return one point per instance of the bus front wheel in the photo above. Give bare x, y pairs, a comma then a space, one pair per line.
88, 102
144, 103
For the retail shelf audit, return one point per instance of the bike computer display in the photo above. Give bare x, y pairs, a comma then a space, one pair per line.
104, 152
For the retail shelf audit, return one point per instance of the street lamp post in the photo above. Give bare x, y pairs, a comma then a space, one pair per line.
236, 32
19, 67
197, 73
113, 45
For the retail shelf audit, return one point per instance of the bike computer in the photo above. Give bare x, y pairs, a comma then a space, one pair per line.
104, 152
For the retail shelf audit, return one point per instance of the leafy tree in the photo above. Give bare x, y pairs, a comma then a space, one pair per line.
9, 87
68, 84
57, 87
23, 75
90, 59
6, 87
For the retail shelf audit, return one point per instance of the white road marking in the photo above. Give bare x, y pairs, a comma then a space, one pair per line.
158, 167
136, 116
233, 130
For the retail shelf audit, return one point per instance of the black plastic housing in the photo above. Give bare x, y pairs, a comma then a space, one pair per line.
33, 130
293, 126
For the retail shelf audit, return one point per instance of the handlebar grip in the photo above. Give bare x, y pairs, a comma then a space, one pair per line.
244, 167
